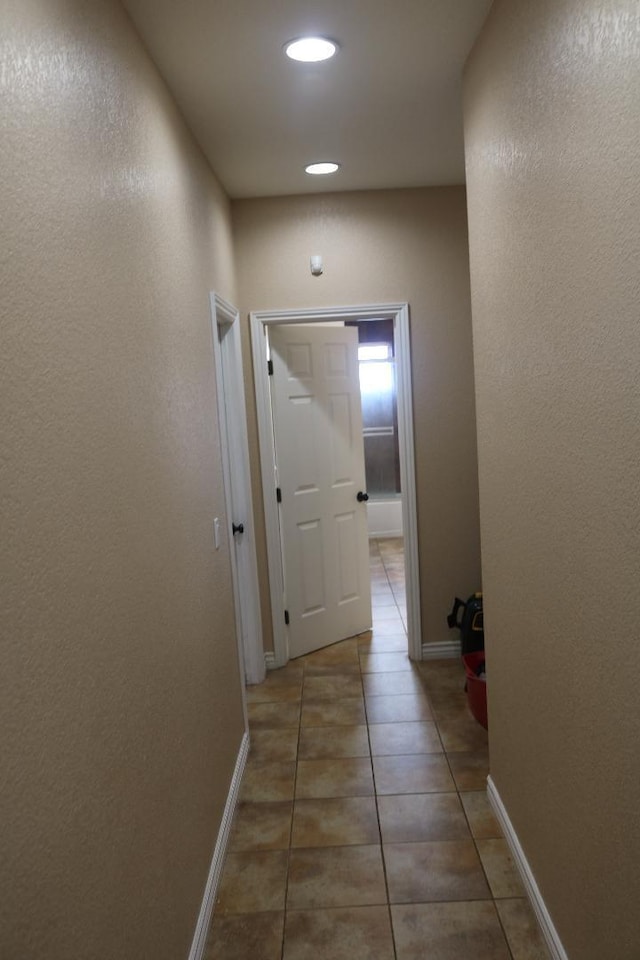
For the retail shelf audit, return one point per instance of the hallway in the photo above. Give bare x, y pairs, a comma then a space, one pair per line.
363, 830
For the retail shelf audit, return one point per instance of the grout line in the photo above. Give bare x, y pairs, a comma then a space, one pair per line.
382, 856
504, 932
375, 790
293, 811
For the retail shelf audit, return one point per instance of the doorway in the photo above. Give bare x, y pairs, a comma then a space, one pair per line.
397, 315
379, 403
234, 446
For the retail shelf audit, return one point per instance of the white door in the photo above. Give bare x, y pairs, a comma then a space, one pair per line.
237, 482
317, 422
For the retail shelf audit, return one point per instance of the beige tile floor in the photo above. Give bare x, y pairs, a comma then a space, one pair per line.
363, 830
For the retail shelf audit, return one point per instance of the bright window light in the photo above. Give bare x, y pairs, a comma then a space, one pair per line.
310, 49
320, 169
376, 377
374, 351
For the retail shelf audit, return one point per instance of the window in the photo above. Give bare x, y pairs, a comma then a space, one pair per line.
376, 368
379, 417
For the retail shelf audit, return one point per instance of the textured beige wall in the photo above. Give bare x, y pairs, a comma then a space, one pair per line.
384, 246
120, 703
552, 128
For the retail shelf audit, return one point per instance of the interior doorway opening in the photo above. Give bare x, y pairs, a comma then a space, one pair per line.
396, 317
388, 596
379, 400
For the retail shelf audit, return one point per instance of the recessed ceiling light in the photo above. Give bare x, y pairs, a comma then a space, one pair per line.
319, 169
310, 49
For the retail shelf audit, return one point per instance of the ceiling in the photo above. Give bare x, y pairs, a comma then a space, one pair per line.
387, 107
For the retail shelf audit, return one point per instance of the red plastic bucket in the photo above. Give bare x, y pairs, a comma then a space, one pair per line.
476, 688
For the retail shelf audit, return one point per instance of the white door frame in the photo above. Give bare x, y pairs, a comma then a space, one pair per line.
262, 319
232, 418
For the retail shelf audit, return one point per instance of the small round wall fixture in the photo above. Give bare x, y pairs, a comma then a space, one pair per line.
310, 49
321, 169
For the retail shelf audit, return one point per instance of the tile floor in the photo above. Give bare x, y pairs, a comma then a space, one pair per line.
363, 830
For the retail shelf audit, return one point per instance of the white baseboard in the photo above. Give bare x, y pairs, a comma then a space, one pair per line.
270, 660
549, 932
385, 534
217, 862
443, 650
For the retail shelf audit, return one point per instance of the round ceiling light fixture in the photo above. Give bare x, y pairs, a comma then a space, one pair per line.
321, 169
310, 49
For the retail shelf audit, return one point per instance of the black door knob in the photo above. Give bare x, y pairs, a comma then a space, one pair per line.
237, 528
362, 497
